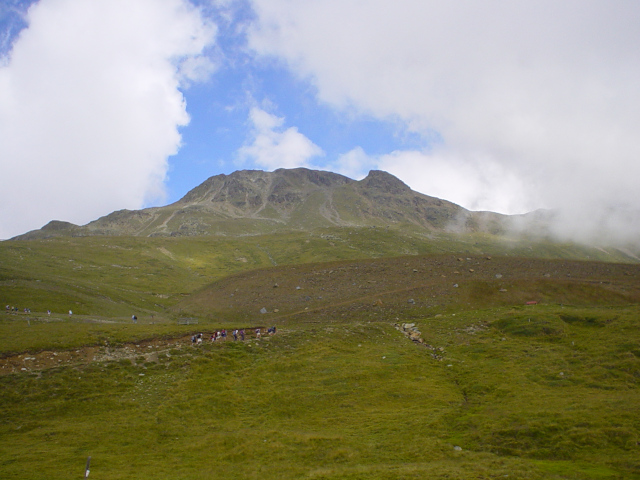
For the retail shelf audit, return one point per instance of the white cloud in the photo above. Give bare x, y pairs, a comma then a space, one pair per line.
353, 164
539, 97
272, 147
90, 107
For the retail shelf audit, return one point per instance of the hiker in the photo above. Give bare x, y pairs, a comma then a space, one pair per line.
235, 335
258, 332
242, 334
134, 318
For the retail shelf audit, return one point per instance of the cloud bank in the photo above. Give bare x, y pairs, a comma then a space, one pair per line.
90, 106
536, 103
271, 147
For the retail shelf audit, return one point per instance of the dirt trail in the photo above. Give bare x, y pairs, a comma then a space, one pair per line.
27, 362
149, 349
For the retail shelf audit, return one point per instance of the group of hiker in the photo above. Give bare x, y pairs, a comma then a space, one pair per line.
219, 335
11, 309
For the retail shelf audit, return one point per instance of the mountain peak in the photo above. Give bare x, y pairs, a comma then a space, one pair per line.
384, 181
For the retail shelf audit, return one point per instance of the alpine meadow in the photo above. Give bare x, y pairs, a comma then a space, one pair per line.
370, 332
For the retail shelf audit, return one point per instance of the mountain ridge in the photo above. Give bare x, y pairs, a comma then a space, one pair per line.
251, 202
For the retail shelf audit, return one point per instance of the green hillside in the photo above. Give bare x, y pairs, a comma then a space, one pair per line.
398, 354
542, 392
120, 276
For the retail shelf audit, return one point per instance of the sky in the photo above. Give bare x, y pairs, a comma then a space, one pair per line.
506, 106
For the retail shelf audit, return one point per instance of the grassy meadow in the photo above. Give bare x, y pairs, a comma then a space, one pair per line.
493, 388
122, 276
541, 392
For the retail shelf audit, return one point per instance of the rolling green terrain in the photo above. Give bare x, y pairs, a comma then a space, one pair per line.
116, 277
398, 355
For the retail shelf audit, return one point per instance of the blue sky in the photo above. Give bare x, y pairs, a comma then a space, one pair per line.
502, 106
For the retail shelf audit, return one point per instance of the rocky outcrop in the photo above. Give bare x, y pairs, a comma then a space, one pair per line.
412, 333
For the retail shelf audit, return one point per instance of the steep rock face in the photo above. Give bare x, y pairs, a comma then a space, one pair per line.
254, 202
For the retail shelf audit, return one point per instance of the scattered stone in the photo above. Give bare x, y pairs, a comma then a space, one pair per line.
263, 310
455, 285
471, 270
275, 285
498, 275
457, 448
411, 301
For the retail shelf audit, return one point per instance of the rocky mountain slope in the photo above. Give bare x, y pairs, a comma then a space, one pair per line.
257, 202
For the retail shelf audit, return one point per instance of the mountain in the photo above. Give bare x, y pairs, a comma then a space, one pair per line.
256, 202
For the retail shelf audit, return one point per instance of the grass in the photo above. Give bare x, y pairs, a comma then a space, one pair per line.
25, 334
545, 391
347, 399
120, 276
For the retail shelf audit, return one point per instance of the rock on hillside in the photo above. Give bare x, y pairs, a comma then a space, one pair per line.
256, 202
